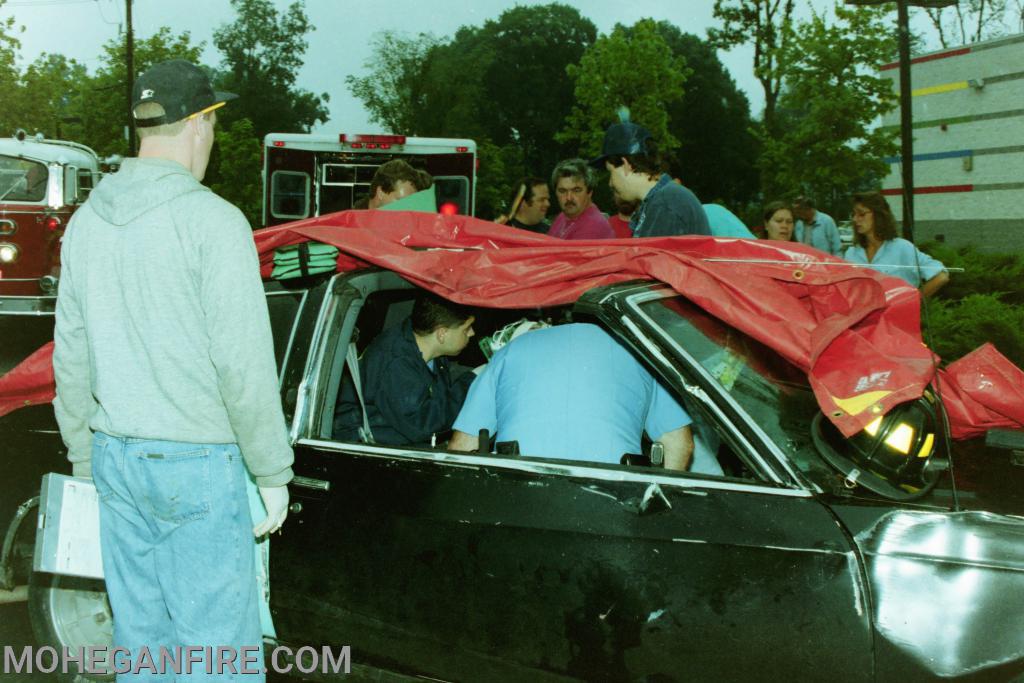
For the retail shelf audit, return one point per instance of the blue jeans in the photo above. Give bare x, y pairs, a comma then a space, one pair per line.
177, 545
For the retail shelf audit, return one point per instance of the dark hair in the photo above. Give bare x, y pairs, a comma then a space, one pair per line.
651, 161
885, 222
574, 168
393, 172
431, 312
625, 208
772, 207
526, 184
803, 202
425, 180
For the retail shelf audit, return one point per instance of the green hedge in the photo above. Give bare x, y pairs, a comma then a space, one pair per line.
985, 303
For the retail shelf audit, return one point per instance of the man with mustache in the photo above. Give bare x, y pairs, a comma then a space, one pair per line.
573, 181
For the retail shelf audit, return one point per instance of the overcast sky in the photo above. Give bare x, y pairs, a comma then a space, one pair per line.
339, 45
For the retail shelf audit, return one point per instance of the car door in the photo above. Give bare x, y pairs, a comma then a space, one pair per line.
477, 567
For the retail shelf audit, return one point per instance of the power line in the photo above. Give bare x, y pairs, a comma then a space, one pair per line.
103, 15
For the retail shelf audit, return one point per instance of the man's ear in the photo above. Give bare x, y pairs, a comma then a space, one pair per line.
627, 167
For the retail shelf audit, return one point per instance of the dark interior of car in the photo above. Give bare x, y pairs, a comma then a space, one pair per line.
384, 309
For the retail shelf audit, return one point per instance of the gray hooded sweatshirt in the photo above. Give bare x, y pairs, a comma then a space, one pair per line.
162, 329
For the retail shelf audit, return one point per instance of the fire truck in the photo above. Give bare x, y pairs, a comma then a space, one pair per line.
42, 183
306, 175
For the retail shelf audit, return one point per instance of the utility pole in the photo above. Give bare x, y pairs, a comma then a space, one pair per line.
906, 121
906, 117
129, 63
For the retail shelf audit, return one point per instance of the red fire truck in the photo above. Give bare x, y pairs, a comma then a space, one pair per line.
308, 175
42, 182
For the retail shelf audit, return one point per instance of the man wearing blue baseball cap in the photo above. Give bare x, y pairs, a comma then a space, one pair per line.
637, 174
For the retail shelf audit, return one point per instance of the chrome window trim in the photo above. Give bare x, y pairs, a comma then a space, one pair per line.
309, 384
633, 302
295, 327
581, 470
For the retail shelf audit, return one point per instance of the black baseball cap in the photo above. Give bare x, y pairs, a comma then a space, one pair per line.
180, 87
621, 140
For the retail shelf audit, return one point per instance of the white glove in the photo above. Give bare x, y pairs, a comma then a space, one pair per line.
275, 499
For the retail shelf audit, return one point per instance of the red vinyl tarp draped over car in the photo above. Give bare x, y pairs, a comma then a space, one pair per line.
855, 332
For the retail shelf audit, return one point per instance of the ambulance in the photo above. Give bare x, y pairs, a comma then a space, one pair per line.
313, 174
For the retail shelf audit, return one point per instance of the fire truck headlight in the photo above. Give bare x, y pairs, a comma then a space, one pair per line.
8, 253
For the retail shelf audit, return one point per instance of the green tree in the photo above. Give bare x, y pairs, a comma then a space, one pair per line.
392, 91
717, 156
49, 100
238, 152
970, 21
9, 77
527, 79
766, 24
831, 147
262, 53
631, 67
503, 83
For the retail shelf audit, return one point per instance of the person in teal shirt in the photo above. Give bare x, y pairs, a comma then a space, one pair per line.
724, 223
876, 244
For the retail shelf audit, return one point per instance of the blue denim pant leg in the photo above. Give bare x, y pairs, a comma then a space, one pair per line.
199, 547
129, 563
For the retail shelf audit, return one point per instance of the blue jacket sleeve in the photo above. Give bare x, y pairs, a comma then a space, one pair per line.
414, 406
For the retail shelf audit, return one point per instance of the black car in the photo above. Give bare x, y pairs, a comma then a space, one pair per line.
790, 566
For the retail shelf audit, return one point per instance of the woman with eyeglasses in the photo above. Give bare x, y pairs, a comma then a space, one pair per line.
876, 244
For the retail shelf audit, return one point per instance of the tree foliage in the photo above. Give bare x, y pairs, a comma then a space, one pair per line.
767, 25
833, 96
632, 67
502, 83
717, 155
970, 21
238, 157
392, 90
9, 76
262, 53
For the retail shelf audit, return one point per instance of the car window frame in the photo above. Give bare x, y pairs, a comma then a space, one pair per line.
761, 443
347, 293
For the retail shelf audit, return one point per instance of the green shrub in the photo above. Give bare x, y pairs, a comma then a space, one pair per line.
1001, 275
954, 328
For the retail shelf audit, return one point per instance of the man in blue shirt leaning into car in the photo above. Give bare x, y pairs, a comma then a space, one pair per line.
573, 392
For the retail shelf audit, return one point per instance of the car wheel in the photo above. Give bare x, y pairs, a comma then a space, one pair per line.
73, 613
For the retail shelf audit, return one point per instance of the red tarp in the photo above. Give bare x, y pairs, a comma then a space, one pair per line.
855, 332
981, 391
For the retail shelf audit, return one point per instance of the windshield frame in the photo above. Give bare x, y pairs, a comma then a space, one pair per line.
704, 388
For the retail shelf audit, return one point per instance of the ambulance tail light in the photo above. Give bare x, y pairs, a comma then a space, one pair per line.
52, 223
367, 140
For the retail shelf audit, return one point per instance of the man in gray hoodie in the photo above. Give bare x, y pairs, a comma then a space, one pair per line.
166, 383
